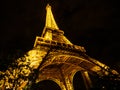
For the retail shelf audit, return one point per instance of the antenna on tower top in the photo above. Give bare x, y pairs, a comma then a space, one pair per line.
48, 6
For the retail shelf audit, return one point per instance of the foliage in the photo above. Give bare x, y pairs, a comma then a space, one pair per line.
16, 75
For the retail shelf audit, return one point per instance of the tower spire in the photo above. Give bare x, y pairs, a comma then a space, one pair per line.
50, 21
51, 31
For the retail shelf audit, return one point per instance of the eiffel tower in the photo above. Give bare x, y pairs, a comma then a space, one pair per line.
62, 59
55, 58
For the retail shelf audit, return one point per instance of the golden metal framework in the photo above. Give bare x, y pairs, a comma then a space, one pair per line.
56, 58
63, 59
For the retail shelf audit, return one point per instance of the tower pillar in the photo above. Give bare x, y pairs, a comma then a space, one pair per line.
87, 80
69, 85
67, 82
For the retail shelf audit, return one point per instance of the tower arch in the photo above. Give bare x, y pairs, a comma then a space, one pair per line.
76, 61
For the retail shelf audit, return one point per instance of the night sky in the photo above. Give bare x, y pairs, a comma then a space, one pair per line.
93, 24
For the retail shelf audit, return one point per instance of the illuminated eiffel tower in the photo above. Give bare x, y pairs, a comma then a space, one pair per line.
61, 59
55, 58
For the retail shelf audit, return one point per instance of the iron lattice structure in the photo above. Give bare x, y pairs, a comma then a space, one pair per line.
55, 58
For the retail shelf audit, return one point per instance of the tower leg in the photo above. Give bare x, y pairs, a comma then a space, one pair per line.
69, 85
66, 81
87, 80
